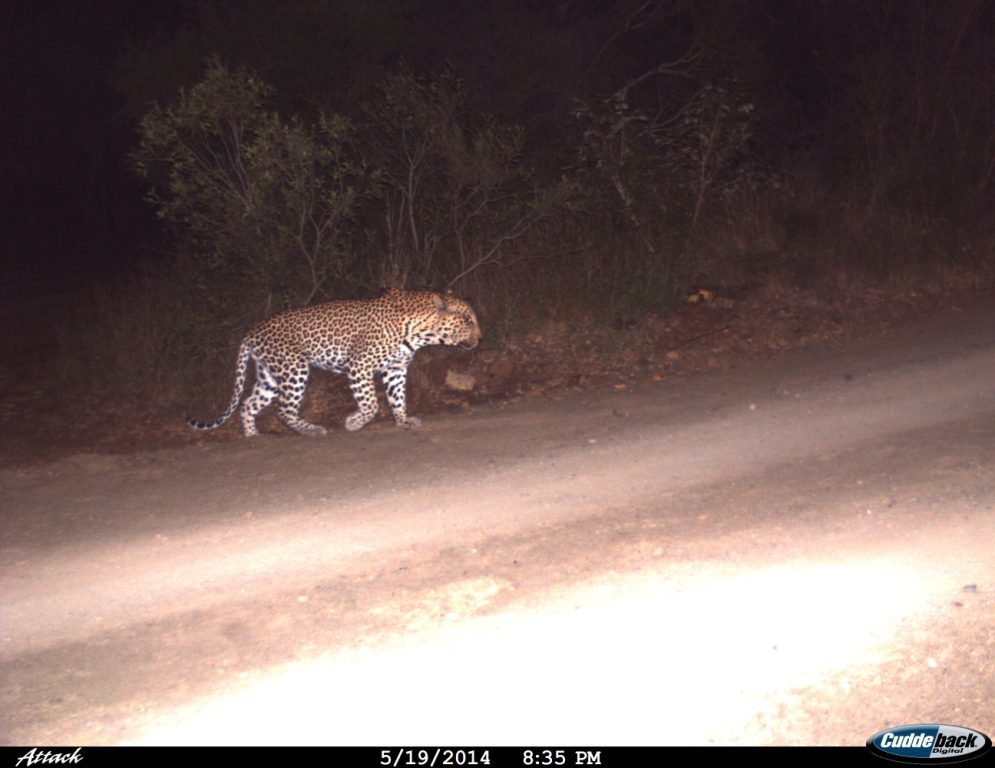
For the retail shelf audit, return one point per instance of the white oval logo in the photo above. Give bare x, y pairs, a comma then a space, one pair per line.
929, 743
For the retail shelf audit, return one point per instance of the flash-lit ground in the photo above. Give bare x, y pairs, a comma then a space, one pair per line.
796, 553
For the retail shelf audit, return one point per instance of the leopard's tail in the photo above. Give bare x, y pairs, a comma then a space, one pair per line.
244, 352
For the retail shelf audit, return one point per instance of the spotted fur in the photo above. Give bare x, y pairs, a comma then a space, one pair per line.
357, 338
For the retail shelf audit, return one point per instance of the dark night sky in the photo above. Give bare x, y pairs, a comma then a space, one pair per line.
65, 188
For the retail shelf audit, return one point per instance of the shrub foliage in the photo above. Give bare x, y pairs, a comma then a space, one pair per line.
268, 204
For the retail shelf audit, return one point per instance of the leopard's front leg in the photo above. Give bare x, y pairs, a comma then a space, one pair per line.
365, 394
395, 380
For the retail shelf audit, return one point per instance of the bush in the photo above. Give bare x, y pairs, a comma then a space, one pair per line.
266, 203
455, 187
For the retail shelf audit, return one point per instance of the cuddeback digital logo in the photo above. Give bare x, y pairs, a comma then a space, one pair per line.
930, 743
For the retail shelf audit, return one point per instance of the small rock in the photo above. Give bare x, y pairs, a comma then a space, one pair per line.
461, 382
701, 295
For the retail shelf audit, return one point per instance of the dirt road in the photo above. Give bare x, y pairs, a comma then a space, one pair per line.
796, 553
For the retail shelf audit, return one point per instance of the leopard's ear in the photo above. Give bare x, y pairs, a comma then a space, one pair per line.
440, 301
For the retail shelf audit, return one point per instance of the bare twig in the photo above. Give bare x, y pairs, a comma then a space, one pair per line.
687, 341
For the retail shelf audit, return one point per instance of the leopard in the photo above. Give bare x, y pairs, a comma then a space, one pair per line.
360, 338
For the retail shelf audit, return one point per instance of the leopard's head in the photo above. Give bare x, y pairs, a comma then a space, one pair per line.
456, 322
